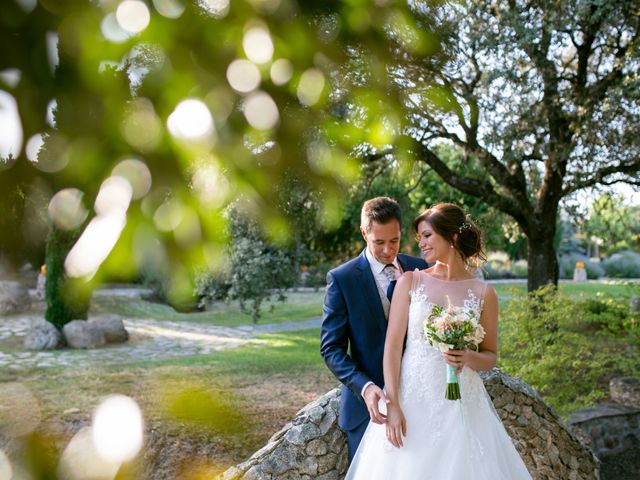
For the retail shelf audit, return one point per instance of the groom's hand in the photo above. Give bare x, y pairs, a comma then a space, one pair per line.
372, 395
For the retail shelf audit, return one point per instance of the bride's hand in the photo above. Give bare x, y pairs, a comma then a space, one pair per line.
396, 425
457, 359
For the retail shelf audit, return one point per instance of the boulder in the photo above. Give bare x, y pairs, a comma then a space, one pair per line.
625, 390
83, 334
112, 328
313, 446
14, 298
43, 336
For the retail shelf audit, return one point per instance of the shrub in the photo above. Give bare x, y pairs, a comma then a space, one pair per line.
315, 276
256, 269
67, 298
624, 264
520, 269
213, 286
567, 264
497, 266
569, 350
155, 277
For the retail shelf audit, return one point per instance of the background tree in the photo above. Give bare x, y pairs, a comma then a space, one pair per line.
542, 99
416, 186
612, 224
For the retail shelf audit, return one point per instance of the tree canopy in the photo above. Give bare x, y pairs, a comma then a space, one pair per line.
542, 99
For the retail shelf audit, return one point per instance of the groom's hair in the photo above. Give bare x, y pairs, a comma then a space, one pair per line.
380, 210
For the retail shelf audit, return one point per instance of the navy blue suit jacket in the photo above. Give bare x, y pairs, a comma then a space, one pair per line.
353, 332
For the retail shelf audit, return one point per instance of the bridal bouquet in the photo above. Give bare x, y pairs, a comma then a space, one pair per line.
453, 328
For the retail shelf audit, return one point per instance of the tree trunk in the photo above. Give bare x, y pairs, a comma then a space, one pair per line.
542, 261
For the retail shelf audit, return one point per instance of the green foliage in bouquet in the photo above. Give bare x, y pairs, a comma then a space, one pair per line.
569, 349
67, 299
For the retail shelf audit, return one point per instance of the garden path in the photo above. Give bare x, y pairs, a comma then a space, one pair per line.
149, 340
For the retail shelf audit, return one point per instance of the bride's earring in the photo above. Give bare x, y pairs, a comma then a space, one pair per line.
451, 245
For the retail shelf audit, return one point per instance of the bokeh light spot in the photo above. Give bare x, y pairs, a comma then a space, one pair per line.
33, 147
11, 135
258, 45
55, 156
141, 127
114, 197
215, 8
94, 245
5, 466
281, 71
169, 215
11, 77
111, 29
210, 185
27, 6
310, 87
118, 428
133, 15
137, 174
169, 8
49, 115
20, 413
81, 460
261, 111
243, 76
66, 209
191, 120
52, 39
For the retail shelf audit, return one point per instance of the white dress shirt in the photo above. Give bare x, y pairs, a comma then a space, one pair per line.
382, 281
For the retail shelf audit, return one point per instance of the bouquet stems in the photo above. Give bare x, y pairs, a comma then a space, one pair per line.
453, 384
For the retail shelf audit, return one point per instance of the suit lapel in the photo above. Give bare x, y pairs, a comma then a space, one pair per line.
404, 265
370, 291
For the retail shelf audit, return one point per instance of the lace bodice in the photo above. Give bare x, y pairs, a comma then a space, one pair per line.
423, 371
427, 291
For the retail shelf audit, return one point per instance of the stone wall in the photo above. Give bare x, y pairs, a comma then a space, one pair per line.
313, 447
612, 428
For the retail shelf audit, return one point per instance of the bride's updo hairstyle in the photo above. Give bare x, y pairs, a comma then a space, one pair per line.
450, 222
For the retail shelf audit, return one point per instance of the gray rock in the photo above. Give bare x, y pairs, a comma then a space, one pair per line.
112, 327
14, 298
625, 390
43, 336
82, 334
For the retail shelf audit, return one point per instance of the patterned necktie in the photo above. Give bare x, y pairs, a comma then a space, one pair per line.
390, 271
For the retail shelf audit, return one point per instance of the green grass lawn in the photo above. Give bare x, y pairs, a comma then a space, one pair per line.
304, 305
575, 290
298, 306
222, 407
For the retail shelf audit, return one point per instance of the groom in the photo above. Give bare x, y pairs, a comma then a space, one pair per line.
355, 314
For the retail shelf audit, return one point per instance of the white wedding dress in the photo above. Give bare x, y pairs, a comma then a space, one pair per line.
445, 439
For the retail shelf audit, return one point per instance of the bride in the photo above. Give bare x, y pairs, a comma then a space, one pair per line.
427, 436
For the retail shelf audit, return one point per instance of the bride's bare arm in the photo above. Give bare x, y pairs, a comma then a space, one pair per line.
485, 358
396, 331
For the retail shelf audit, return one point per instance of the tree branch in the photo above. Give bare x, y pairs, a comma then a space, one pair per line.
599, 176
472, 186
